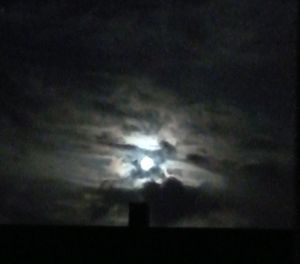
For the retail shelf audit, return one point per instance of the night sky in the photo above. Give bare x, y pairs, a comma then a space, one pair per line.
204, 89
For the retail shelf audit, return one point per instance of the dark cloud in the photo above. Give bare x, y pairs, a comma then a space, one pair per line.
168, 148
269, 174
85, 86
260, 143
199, 159
211, 163
172, 202
108, 108
169, 203
27, 200
266, 193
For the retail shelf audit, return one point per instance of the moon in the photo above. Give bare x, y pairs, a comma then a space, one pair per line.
147, 163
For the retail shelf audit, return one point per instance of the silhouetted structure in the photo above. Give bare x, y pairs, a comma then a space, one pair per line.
138, 215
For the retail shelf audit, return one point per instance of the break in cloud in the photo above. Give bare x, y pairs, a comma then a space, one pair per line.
83, 94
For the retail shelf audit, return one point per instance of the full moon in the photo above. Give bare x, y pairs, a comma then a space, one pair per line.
147, 163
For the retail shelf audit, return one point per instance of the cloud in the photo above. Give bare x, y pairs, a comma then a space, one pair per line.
261, 144
169, 203
204, 145
265, 193
83, 94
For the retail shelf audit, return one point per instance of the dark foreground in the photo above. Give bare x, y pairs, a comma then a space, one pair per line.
116, 245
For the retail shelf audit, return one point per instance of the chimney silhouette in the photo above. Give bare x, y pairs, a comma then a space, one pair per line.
138, 215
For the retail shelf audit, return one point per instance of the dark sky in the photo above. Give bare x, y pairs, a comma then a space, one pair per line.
89, 86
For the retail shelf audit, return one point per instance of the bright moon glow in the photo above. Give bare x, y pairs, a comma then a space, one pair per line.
142, 141
147, 163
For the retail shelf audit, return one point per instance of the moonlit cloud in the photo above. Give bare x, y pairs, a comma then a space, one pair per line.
209, 99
